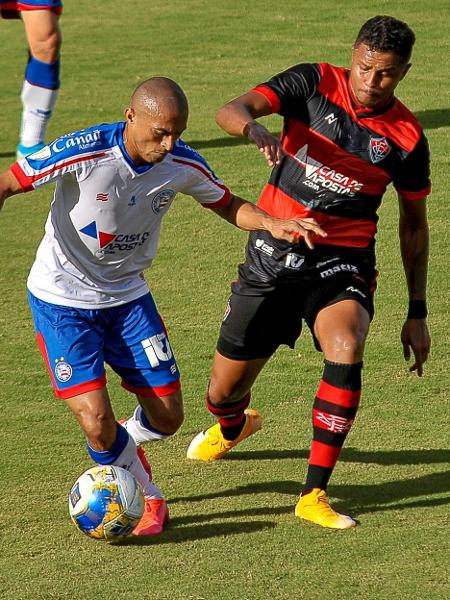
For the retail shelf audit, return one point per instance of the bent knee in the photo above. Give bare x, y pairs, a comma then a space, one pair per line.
171, 423
100, 431
345, 347
165, 419
220, 394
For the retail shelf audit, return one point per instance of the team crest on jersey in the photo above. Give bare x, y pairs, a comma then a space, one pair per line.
379, 148
161, 199
63, 371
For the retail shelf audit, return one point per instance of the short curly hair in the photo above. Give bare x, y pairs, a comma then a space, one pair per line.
387, 34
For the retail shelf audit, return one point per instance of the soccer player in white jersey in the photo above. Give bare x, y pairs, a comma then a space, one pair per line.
89, 300
41, 83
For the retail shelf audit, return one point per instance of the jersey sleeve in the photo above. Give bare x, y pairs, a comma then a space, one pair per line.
412, 181
287, 89
75, 152
200, 180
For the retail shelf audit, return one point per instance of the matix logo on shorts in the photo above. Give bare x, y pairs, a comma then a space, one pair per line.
342, 267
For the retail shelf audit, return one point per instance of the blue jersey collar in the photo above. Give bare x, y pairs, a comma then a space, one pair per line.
137, 168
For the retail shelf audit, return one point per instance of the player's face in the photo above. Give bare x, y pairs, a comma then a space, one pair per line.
150, 136
375, 75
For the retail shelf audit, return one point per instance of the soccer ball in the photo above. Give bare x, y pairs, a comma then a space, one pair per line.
106, 502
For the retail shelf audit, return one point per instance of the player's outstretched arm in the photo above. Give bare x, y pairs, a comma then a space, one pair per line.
238, 118
247, 216
414, 242
8, 186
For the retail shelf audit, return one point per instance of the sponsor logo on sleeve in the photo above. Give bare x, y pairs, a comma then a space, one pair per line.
81, 141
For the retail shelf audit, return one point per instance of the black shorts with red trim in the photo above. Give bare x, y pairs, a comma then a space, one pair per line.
265, 311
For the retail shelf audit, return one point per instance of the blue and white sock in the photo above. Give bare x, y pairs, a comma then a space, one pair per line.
123, 453
140, 429
39, 93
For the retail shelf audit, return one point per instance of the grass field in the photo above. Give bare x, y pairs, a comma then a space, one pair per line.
233, 535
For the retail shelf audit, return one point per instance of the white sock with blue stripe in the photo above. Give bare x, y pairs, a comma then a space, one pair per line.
39, 93
140, 429
123, 453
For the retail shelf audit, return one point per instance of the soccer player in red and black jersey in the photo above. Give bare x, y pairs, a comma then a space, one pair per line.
345, 138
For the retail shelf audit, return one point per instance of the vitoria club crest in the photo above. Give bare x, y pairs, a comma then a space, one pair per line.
161, 199
379, 148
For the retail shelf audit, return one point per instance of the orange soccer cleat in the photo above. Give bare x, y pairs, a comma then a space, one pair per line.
156, 515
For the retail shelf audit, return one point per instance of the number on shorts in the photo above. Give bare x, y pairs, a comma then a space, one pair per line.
157, 349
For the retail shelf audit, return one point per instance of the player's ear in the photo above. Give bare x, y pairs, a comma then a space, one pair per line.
130, 115
405, 70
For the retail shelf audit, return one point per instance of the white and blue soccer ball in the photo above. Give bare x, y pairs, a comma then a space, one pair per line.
106, 503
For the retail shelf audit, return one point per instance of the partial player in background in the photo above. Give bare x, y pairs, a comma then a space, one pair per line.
41, 83
345, 139
90, 302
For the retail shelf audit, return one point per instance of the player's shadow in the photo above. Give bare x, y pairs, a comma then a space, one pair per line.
434, 118
174, 534
402, 494
391, 494
7, 154
222, 142
382, 457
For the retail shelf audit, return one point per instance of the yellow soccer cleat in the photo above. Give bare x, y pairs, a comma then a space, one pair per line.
315, 507
211, 445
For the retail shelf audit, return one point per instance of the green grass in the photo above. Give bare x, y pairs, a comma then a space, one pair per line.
233, 535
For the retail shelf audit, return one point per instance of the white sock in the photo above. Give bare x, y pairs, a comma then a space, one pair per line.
139, 432
38, 104
129, 460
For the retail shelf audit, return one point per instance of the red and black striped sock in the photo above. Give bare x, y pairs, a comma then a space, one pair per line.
334, 411
230, 415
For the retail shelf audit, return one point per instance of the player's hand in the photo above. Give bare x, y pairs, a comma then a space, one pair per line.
292, 229
267, 143
415, 337
8, 186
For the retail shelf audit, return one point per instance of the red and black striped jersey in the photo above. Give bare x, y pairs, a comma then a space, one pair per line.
340, 157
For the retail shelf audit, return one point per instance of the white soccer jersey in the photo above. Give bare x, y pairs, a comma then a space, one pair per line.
104, 223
